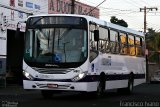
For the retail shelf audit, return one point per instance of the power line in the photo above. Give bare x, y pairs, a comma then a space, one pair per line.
129, 2
116, 9
96, 7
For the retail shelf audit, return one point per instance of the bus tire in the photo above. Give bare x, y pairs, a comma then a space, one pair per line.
47, 94
129, 89
101, 86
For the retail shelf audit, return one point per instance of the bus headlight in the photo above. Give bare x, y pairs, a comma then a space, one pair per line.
79, 76
27, 75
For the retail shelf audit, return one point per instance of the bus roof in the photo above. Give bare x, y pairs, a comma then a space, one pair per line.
98, 21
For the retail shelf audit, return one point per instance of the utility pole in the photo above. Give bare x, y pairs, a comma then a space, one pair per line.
72, 6
145, 27
145, 12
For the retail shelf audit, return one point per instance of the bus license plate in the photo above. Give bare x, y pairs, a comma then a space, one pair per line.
52, 85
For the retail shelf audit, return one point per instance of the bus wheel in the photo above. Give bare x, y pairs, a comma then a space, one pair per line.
101, 86
129, 89
47, 94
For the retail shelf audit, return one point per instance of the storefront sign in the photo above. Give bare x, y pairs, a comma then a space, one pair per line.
14, 26
32, 5
5, 24
64, 6
37, 6
29, 4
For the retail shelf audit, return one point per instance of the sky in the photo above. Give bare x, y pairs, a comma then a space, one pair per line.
129, 10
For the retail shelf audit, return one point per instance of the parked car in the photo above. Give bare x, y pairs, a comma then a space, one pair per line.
156, 77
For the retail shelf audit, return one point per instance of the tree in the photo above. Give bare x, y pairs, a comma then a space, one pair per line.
118, 22
153, 40
114, 20
153, 44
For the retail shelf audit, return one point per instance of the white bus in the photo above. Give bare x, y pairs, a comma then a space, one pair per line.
65, 52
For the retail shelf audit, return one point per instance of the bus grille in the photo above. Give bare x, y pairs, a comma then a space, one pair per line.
52, 71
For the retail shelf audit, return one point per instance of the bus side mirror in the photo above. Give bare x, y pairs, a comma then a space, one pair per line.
96, 35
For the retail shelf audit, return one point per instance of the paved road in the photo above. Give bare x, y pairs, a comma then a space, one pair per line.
145, 95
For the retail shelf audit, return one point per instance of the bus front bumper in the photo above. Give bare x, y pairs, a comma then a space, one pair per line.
64, 86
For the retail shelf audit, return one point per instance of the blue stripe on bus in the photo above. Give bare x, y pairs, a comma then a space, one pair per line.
94, 78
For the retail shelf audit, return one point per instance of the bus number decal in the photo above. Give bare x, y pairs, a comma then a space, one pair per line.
106, 61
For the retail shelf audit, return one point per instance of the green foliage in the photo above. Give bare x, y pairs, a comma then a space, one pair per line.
153, 40
153, 57
118, 22
153, 44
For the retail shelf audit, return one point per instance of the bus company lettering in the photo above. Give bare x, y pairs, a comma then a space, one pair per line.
51, 65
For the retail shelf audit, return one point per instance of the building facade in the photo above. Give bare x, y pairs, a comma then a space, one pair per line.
11, 47
64, 7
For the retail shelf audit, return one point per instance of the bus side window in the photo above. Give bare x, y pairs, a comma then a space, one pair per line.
131, 45
29, 50
114, 44
103, 40
139, 51
91, 31
123, 43
93, 44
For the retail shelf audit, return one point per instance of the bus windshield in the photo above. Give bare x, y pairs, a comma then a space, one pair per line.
63, 44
